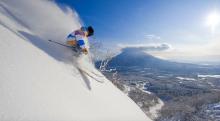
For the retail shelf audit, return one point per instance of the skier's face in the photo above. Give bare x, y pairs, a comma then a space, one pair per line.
86, 33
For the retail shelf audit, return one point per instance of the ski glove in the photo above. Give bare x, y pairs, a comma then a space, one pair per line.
85, 51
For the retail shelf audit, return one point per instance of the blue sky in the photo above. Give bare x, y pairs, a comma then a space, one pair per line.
179, 23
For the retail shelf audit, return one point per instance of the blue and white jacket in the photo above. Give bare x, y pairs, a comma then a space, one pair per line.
79, 36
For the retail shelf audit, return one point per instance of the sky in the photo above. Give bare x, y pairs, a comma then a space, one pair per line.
183, 26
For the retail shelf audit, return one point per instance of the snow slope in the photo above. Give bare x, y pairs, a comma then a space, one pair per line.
39, 80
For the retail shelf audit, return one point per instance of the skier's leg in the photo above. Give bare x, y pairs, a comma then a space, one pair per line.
76, 50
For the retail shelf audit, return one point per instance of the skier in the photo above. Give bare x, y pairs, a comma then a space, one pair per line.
77, 38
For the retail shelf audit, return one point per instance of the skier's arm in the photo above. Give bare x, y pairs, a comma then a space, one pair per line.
81, 42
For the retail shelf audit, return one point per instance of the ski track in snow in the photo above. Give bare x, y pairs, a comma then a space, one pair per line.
39, 80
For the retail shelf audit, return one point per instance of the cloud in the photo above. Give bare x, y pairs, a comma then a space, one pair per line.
43, 17
149, 47
152, 37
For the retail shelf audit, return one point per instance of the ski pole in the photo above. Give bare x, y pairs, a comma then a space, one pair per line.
60, 43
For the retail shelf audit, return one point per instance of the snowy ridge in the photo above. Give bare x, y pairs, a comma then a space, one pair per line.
39, 80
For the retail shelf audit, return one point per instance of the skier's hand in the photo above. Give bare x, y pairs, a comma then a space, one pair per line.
85, 51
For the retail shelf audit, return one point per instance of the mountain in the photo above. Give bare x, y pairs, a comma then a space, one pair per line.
130, 57
40, 80
176, 84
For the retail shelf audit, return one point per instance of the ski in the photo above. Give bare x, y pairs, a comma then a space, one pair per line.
90, 75
97, 74
85, 72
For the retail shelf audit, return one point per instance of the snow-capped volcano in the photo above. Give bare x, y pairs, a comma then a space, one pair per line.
39, 80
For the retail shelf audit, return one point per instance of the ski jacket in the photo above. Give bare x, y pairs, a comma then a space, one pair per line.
79, 36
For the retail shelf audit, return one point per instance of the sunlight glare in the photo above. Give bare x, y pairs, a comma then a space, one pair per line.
213, 20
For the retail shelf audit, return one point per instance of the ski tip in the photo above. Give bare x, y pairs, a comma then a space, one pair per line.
89, 74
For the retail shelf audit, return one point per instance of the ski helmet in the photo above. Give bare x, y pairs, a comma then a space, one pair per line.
90, 31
